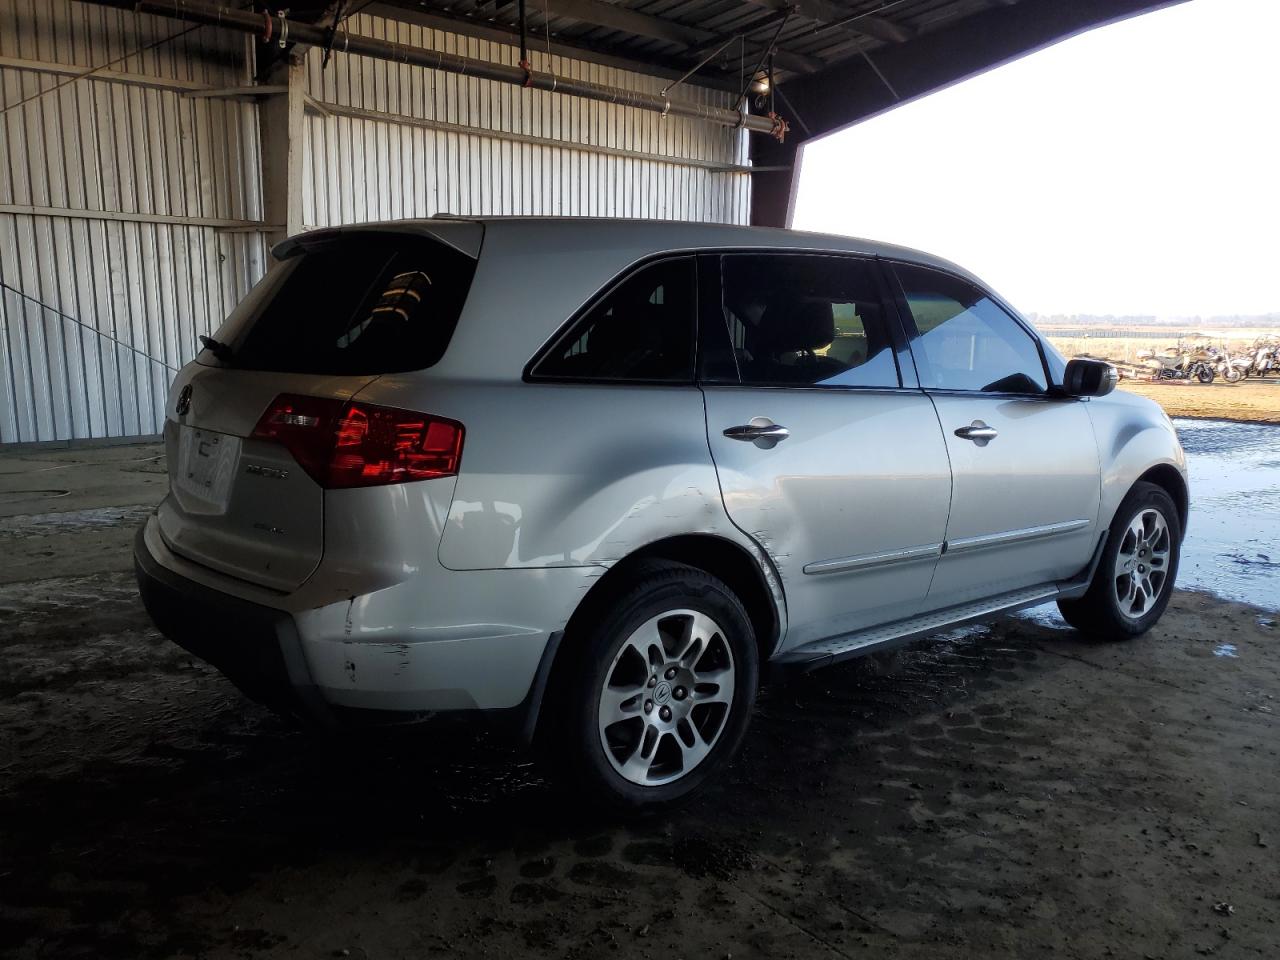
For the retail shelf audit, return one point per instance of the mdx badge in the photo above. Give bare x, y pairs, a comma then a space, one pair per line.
184, 400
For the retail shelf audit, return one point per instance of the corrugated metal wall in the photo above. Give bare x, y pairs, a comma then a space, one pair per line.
102, 308
130, 200
473, 146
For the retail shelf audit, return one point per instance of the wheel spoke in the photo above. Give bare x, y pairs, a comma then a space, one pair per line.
700, 630
713, 686
638, 764
620, 703
691, 754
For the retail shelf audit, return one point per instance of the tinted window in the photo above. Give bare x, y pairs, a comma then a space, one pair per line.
965, 340
352, 306
799, 320
643, 329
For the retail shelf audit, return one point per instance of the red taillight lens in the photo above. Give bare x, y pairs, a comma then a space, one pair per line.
375, 445
360, 444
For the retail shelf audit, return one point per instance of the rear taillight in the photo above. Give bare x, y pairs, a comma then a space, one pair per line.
342, 444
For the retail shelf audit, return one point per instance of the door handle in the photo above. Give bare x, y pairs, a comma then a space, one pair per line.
978, 432
760, 431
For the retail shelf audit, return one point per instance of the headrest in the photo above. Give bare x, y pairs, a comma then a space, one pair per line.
799, 325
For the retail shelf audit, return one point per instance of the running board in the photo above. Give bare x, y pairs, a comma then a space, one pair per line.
823, 652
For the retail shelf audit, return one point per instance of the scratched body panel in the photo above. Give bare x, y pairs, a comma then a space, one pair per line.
863, 473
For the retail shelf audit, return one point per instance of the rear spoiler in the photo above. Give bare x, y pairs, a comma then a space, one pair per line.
465, 236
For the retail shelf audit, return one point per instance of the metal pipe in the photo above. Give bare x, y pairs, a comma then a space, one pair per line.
277, 26
524, 37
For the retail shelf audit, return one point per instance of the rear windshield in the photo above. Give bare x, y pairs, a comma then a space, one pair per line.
358, 304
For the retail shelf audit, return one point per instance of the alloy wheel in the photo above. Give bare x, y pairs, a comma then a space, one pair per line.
1142, 563
666, 697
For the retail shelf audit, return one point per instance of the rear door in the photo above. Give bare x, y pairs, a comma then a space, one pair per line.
834, 465
338, 312
1025, 492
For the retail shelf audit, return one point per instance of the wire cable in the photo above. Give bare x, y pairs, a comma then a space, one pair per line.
93, 330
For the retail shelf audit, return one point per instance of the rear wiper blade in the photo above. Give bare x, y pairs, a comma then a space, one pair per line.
220, 350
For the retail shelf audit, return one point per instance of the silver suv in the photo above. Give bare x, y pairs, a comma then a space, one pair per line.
590, 477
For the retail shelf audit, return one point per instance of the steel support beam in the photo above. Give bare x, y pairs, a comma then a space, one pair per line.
231, 18
326, 109
119, 216
280, 129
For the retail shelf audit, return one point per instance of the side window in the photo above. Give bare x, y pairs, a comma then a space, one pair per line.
642, 329
799, 320
965, 341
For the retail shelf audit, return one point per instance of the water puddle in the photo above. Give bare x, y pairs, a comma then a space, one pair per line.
72, 521
1233, 537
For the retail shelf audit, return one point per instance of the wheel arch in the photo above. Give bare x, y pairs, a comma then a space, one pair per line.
756, 586
1170, 479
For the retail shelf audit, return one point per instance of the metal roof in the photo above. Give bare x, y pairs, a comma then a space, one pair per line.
671, 36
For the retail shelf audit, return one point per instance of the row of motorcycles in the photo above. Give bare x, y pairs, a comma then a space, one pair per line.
1205, 364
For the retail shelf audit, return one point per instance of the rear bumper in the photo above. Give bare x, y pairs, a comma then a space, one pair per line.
256, 647
368, 658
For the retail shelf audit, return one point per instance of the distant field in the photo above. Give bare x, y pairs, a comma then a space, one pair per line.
1254, 400
1125, 348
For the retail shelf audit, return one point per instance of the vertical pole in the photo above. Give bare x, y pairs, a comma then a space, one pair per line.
524, 38
280, 127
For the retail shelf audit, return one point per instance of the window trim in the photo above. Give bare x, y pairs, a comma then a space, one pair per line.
528, 375
904, 309
711, 260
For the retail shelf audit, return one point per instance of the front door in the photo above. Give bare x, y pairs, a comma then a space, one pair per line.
1025, 488
824, 458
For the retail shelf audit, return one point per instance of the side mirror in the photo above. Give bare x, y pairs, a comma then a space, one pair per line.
1089, 378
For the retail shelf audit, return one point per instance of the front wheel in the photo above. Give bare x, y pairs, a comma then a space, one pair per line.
663, 690
1232, 374
1134, 579
1205, 375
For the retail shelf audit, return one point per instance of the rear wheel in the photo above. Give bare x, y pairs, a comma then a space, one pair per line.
662, 693
1134, 579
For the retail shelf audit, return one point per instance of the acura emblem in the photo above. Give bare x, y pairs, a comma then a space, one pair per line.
184, 400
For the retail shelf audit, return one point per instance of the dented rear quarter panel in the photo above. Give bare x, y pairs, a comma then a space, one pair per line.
592, 474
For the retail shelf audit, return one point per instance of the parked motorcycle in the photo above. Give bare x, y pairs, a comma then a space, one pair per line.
1178, 365
1229, 368
1264, 360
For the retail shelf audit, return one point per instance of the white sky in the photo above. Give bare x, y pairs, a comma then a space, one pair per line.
1134, 169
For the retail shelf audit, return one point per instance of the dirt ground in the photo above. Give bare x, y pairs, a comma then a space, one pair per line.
1005, 792
1256, 401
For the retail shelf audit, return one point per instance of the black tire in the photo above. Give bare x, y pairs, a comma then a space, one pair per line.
575, 744
1205, 375
1100, 612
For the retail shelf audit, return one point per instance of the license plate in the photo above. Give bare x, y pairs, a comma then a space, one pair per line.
207, 464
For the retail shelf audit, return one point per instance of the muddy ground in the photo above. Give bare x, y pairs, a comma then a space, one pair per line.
1018, 791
